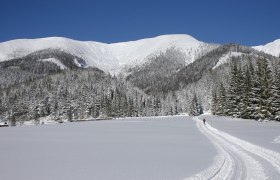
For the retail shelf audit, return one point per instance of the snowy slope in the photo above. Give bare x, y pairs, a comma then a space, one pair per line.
94, 53
137, 51
108, 57
272, 48
225, 58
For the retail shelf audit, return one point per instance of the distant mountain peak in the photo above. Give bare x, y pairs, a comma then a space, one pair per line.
176, 37
272, 48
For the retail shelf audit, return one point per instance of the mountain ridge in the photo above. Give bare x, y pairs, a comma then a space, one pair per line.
167, 80
118, 57
272, 48
111, 57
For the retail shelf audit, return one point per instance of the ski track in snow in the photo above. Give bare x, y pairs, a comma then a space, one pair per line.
234, 159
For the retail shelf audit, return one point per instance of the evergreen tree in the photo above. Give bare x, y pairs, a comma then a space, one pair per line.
221, 105
246, 91
275, 99
234, 91
214, 102
70, 114
195, 107
265, 81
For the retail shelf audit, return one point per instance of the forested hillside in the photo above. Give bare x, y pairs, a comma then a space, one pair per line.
230, 80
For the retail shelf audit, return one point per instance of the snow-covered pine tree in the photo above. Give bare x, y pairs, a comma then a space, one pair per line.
175, 102
246, 91
195, 107
221, 106
275, 98
214, 102
55, 110
234, 94
192, 109
37, 114
254, 96
157, 106
265, 78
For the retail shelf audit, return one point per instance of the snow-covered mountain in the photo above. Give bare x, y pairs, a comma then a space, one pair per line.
109, 57
159, 76
117, 57
272, 48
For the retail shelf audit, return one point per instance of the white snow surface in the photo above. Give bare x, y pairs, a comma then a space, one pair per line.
249, 144
232, 162
179, 147
277, 139
55, 61
108, 57
129, 148
225, 58
272, 48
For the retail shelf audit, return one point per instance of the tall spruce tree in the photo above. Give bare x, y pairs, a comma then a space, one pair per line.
221, 106
195, 107
255, 94
246, 91
214, 101
275, 98
234, 94
264, 89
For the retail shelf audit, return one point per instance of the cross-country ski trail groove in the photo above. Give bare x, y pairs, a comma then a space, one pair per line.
235, 158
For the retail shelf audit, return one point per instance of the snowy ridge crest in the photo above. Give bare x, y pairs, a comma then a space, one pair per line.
108, 57
272, 48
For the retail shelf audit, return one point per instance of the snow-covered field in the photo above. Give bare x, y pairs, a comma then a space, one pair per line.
178, 147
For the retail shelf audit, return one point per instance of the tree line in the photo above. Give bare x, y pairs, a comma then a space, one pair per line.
80, 94
253, 91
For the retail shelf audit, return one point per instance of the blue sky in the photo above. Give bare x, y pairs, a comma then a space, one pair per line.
248, 22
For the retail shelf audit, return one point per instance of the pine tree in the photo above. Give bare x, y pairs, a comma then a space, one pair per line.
246, 91
157, 106
55, 110
175, 102
234, 91
70, 114
254, 96
214, 102
37, 114
221, 105
192, 111
275, 99
195, 107
264, 76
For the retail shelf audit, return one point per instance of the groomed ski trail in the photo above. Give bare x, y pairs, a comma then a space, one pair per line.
234, 159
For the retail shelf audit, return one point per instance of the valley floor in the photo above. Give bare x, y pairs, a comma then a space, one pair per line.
177, 147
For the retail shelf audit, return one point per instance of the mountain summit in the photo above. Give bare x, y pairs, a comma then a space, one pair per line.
108, 57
